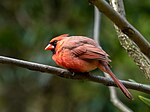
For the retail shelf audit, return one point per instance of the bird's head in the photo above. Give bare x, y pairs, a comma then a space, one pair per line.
53, 43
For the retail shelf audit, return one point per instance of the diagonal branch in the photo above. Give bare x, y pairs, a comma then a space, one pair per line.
66, 74
124, 25
131, 48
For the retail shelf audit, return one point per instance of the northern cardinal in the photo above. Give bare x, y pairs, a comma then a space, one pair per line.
82, 54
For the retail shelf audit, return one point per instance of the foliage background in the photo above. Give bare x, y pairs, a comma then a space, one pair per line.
26, 26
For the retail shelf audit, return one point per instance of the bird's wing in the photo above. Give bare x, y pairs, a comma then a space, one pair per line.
87, 51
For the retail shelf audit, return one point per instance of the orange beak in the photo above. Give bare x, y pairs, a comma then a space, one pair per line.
49, 47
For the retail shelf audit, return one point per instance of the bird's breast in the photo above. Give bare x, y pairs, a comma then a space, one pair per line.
65, 58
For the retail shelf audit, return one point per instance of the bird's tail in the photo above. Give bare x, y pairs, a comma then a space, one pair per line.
105, 68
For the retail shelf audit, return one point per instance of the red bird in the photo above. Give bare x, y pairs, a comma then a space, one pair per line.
82, 54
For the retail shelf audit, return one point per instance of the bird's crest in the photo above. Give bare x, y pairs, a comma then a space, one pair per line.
60, 37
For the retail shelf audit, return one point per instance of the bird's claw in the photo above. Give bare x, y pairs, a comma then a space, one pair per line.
72, 73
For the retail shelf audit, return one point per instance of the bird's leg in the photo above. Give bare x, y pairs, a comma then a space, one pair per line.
75, 73
62, 74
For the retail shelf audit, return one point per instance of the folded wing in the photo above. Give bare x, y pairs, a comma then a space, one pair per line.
87, 51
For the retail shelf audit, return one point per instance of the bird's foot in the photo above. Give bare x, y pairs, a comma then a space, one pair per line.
72, 72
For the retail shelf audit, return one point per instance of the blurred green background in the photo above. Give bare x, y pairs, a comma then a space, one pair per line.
26, 26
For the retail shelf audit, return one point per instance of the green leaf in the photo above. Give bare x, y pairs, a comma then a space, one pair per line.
145, 100
131, 80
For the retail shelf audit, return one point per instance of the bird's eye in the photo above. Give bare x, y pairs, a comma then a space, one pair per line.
54, 43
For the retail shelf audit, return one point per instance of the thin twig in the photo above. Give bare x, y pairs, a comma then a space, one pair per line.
97, 19
66, 74
124, 25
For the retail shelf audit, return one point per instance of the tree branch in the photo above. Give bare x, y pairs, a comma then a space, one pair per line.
131, 48
124, 25
66, 74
